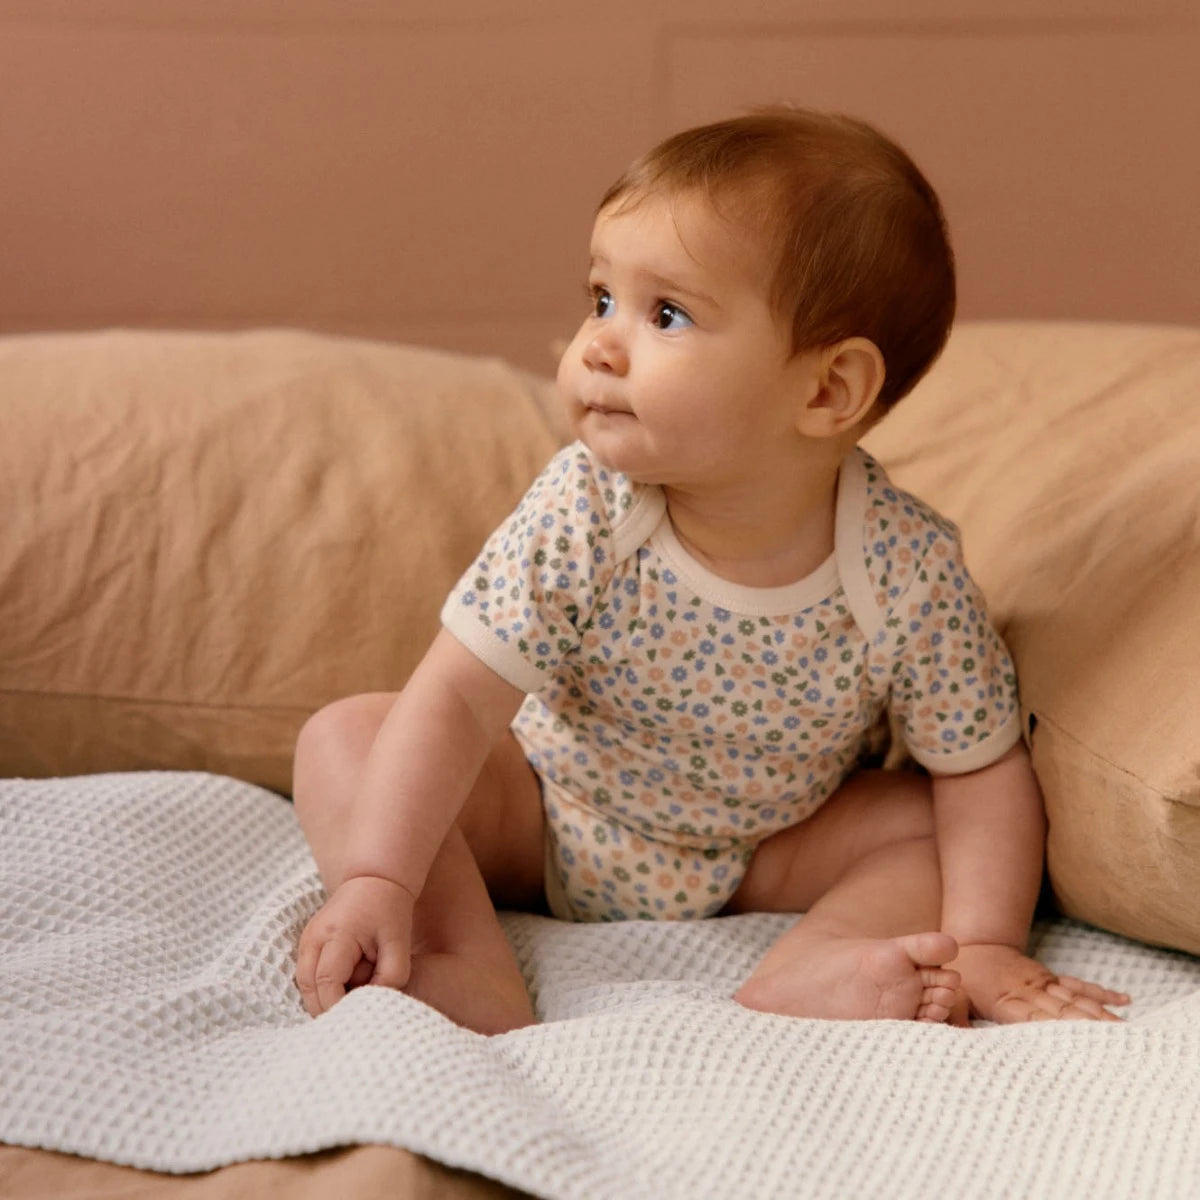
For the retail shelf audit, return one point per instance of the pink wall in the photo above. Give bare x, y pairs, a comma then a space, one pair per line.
366, 167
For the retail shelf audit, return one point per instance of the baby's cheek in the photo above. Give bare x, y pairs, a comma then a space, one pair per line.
568, 364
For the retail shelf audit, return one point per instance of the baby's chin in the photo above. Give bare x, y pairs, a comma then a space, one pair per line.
621, 464
603, 455
617, 442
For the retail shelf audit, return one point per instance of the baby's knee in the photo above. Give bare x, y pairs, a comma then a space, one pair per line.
334, 742
317, 737
323, 726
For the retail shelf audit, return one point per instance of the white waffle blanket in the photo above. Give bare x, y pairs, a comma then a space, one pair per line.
147, 1016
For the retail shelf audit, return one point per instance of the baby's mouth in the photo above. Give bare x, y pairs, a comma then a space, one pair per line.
605, 409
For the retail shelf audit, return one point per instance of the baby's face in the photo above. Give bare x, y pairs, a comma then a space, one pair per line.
681, 374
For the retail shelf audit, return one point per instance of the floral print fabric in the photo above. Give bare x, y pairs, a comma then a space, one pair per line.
677, 719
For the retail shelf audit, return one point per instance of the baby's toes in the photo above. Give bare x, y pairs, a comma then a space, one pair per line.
936, 1004
940, 977
939, 990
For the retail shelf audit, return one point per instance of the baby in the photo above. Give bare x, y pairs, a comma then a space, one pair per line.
656, 691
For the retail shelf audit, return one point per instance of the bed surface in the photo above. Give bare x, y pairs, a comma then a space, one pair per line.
361, 1172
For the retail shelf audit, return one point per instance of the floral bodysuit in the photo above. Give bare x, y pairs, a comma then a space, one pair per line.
676, 719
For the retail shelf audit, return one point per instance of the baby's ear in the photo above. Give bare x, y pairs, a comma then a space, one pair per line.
849, 377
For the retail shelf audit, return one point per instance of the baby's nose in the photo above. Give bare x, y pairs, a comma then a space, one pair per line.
606, 352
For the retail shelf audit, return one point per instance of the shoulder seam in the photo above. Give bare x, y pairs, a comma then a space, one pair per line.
848, 543
628, 527
636, 525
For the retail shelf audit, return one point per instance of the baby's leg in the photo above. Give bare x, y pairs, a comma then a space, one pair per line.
864, 870
330, 753
462, 963
502, 818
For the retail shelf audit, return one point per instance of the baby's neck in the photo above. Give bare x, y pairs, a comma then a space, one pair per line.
760, 537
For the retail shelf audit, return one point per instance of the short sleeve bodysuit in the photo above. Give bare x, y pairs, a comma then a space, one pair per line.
676, 719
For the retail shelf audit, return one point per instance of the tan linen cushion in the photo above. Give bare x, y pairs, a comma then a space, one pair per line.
1069, 454
207, 536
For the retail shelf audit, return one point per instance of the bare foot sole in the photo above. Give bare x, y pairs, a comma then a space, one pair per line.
899, 978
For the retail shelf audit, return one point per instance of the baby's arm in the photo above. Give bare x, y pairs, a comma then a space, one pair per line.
990, 829
421, 768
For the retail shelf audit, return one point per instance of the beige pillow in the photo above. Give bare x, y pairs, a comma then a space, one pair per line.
209, 536
1070, 456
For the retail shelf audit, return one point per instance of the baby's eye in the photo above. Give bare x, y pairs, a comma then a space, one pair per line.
602, 302
670, 316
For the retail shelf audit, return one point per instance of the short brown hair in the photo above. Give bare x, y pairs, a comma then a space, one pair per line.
858, 236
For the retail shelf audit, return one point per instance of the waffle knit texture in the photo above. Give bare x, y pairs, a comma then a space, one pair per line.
148, 925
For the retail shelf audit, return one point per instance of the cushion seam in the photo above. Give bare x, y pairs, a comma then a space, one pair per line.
1064, 732
155, 701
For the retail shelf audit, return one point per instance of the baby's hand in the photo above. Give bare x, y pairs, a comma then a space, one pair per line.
1004, 985
361, 935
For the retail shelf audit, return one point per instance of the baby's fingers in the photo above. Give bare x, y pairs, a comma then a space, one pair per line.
1093, 991
306, 970
1084, 1001
1056, 1000
335, 966
392, 964
1050, 1002
1067, 1007
322, 970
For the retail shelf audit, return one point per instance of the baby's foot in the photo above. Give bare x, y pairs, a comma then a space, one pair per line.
899, 978
487, 997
